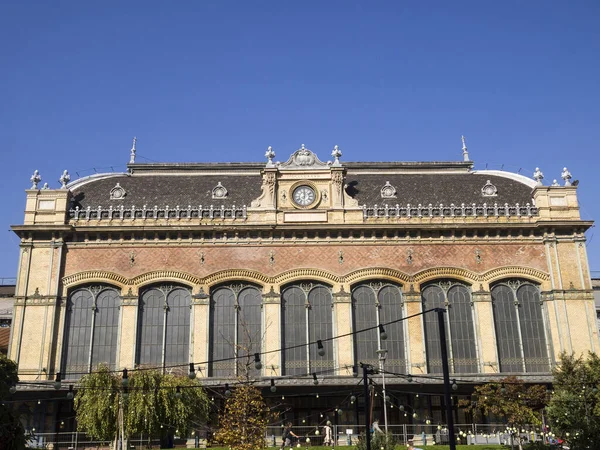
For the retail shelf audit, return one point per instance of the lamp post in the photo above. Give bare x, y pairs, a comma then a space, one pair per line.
446, 370
382, 354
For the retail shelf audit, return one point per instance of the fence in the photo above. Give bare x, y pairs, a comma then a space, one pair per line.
309, 436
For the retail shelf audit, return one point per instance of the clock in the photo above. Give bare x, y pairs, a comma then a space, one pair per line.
304, 196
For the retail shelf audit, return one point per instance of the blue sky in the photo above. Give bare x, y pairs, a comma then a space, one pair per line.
221, 80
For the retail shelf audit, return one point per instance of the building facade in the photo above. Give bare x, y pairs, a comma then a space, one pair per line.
218, 264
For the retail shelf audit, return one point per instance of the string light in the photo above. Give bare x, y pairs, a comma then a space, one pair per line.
125, 378
70, 394
257, 363
321, 350
454, 385
178, 392
12, 389
192, 373
57, 381
382, 333
227, 391
273, 387
315, 381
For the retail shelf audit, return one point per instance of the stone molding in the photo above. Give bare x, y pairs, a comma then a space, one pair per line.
414, 281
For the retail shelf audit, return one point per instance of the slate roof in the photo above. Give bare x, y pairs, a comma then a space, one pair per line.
425, 188
192, 184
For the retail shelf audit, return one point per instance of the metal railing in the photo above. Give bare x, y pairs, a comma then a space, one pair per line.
154, 213
308, 436
452, 210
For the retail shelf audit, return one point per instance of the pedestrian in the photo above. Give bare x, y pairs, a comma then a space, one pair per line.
328, 440
375, 428
286, 439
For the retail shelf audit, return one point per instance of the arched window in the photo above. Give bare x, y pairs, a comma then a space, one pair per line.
91, 330
460, 332
520, 333
307, 317
164, 326
375, 303
235, 330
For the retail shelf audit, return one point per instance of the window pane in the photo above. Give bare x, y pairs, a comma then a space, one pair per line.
364, 316
294, 331
390, 299
222, 332
150, 328
507, 329
433, 297
532, 329
460, 316
177, 342
320, 327
76, 354
106, 328
249, 328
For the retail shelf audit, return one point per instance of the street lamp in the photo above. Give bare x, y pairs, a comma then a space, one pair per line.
382, 355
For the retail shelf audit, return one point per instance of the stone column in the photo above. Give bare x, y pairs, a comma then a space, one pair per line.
343, 347
201, 325
485, 331
416, 336
271, 328
128, 328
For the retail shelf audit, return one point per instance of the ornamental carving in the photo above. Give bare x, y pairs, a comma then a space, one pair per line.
117, 193
303, 158
219, 191
489, 190
388, 191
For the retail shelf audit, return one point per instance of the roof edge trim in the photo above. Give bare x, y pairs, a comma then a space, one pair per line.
513, 176
97, 176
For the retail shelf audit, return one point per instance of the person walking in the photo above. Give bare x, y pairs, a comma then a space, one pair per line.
328, 440
286, 440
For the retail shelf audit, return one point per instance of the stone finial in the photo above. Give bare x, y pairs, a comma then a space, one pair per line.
464, 149
132, 154
64, 179
336, 153
566, 175
555, 183
45, 187
270, 154
35, 179
538, 176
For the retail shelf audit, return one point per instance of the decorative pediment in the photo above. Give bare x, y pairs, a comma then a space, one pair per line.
303, 159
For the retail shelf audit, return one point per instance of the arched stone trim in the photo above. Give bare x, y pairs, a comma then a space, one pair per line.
378, 273
457, 273
95, 276
250, 276
305, 274
165, 275
528, 273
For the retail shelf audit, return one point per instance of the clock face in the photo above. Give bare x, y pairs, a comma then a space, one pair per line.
304, 195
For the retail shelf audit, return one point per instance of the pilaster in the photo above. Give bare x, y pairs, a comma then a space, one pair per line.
128, 328
415, 332
485, 332
342, 313
201, 314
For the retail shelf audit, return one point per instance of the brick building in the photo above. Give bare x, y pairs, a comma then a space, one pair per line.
172, 264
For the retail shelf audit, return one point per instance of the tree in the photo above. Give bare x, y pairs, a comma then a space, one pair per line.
12, 434
162, 405
97, 404
511, 399
574, 408
152, 403
244, 420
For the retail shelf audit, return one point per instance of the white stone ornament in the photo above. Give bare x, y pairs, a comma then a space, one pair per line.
538, 176
555, 183
270, 154
117, 193
64, 179
489, 190
132, 153
35, 179
566, 175
219, 191
388, 191
336, 153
